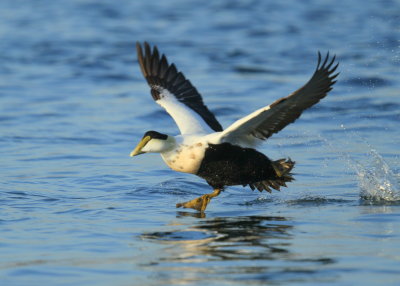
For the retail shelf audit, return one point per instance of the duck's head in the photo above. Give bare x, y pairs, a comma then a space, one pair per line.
154, 142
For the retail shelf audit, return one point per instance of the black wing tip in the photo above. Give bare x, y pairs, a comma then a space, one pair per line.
142, 47
145, 46
149, 61
328, 66
325, 65
158, 72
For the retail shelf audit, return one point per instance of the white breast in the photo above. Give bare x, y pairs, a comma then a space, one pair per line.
188, 154
186, 158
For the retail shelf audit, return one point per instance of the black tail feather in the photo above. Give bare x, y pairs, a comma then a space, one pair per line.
283, 168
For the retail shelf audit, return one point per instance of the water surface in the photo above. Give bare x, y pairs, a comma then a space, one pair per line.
76, 210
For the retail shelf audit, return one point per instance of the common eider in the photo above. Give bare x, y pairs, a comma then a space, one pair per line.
223, 157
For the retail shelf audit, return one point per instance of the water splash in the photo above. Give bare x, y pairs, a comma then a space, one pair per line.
376, 180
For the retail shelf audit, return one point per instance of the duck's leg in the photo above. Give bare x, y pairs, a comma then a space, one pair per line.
200, 203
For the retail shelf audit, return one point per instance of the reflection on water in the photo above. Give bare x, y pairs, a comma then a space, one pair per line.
211, 248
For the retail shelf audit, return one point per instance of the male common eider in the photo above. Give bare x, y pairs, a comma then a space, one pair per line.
223, 157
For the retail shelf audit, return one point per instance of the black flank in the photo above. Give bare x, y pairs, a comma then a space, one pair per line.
227, 165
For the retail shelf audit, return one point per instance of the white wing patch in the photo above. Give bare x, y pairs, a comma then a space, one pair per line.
240, 131
188, 121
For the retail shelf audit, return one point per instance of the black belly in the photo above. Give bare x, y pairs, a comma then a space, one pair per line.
227, 165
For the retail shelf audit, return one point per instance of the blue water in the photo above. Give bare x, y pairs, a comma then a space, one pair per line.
77, 210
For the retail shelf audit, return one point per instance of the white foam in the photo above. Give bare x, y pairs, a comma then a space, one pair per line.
377, 181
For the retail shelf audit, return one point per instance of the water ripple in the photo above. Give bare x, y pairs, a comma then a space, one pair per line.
73, 103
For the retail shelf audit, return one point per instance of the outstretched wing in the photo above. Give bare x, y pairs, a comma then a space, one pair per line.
262, 123
171, 90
